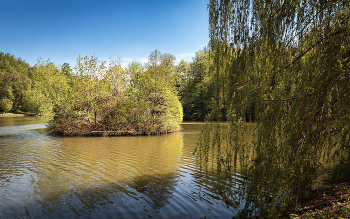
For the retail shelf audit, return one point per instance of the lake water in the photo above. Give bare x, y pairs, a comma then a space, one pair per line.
44, 176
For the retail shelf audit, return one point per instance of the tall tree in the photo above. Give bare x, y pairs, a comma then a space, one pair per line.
66, 69
288, 62
14, 81
197, 92
48, 88
154, 89
95, 90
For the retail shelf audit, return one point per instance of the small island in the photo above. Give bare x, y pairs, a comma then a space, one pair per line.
106, 99
96, 98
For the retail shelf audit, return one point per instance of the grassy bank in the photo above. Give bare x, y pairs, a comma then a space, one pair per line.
16, 114
327, 202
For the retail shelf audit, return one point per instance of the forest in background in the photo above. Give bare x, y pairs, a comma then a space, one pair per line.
94, 95
37, 89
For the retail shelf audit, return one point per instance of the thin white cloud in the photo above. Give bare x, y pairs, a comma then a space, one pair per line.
125, 62
143, 60
177, 62
184, 56
126, 59
125, 65
187, 54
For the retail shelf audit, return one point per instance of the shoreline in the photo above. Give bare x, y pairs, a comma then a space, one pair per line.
114, 133
326, 202
8, 115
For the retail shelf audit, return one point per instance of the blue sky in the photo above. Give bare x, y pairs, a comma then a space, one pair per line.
60, 30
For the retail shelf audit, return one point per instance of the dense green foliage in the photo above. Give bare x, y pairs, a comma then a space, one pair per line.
96, 96
286, 65
14, 82
48, 88
141, 99
153, 86
34, 89
41, 88
197, 90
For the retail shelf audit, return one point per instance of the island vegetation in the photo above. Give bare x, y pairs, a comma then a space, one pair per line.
43, 88
96, 97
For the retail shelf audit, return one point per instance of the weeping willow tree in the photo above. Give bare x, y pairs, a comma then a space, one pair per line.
286, 64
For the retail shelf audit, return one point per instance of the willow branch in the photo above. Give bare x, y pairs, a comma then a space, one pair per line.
233, 86
279, 100
310, 20
313, 46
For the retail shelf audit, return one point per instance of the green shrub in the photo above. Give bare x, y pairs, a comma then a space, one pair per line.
5, 105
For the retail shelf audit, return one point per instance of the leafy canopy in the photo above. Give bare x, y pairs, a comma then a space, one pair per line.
285, 64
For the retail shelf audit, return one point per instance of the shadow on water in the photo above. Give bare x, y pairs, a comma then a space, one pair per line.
156, 189
49, 175
139, 196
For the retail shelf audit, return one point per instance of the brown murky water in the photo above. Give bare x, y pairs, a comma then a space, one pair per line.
45, 176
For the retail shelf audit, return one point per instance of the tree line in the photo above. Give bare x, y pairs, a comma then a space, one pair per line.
95, 95
39, 88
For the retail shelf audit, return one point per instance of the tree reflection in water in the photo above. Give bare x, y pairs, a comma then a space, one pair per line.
126, 177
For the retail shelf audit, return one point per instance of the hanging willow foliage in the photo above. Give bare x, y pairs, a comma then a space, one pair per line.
285, 65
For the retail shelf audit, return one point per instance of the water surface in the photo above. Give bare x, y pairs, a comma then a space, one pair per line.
45, 176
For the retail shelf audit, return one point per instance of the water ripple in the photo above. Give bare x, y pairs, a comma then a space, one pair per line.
131, 177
